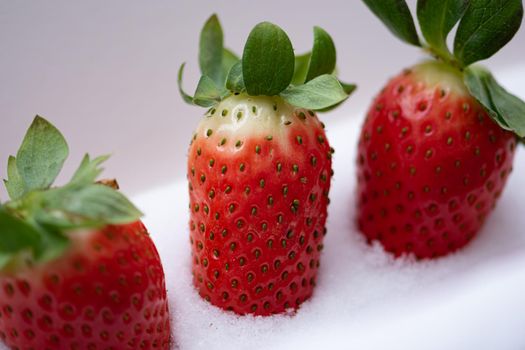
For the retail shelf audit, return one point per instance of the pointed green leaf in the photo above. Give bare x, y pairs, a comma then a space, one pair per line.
506, 109
301, 68
14, 183
267, 61
4, 260
395, 14
211, 50
474, 79
485, 28
348, 88
187, 98
207, 93
436, 19
89, 170
319, 93
228, 60
53, 244
41, 155
89, 205
17, 235
235, 82
323, 56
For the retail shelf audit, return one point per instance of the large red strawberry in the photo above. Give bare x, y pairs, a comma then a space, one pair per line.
438, 142
77, 268
259, 170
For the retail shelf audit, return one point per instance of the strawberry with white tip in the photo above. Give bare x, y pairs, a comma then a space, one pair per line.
259, 169
438, 142
78, 269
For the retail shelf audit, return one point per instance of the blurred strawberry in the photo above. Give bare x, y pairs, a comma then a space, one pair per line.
438, 142
77, 270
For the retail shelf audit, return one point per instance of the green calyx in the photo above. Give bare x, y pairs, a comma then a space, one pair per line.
268, 67
35, 221
485, 26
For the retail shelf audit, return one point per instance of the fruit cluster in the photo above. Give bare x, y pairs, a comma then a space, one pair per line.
78, 269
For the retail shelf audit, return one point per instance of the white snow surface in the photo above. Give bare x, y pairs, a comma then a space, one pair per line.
365, 299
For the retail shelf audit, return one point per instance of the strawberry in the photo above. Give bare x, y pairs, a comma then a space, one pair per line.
78, 269
438, 142
259, 169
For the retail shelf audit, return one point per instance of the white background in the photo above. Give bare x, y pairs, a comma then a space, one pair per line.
105, 73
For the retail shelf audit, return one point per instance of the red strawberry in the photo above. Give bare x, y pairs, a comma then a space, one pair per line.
258, 199
259, 173
77, 270
106, 291
431, 163
433, 153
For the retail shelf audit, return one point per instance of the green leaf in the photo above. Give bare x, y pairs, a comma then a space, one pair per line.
211, 50
41, 155
319, 93
323, 56
207, 93
17, 235
89, 170
4, 260
85, 206
436, 19
267, 61
228, 60
506, 109
348, 89
235, 82
53, 244
396, 16
187, 98
485, 28
14, 183
474, 79
301, 68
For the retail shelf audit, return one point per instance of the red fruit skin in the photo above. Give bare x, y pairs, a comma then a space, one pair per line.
431, 166
106, 292
261, 257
